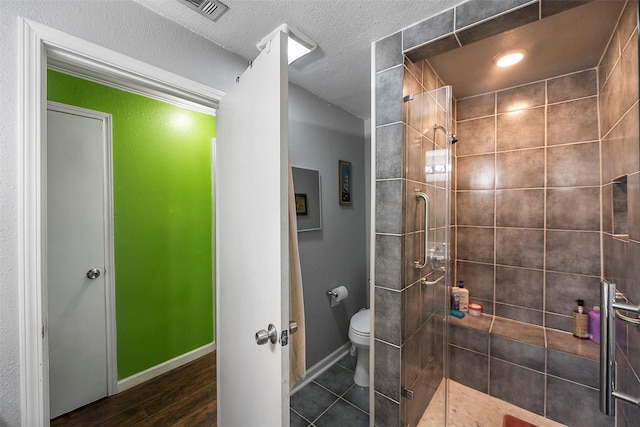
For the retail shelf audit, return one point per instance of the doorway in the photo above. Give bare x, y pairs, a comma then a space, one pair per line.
41, 47
79, 257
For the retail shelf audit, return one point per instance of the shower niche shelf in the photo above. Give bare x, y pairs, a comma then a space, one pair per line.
620, 203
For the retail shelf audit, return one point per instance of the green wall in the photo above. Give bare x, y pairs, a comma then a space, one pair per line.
162, 221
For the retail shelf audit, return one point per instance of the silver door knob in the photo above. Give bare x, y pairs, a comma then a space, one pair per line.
271, 334
94, 273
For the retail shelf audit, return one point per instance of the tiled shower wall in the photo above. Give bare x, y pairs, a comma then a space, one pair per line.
568, 158
618, 82
528, 199
409, 339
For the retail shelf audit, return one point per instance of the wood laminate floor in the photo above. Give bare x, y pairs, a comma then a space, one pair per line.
183, 397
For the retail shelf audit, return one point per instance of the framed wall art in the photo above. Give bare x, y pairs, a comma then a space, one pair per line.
344, 182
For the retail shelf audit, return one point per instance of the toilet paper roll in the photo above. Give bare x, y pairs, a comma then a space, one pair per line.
338, 294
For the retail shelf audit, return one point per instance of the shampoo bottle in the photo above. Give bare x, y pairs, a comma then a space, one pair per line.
580, 321
455, 298
464, 297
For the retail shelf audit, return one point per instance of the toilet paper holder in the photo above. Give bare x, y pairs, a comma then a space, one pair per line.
332, 293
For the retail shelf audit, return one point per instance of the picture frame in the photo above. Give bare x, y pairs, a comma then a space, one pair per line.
344, 182
301, 204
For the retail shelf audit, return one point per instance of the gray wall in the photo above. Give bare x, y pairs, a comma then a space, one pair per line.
320, 134
148, 37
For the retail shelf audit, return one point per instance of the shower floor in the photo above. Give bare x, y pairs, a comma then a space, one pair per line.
473, 408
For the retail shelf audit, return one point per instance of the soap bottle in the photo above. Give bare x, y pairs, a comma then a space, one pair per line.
580, 321
464, 297
594, 325
455, 298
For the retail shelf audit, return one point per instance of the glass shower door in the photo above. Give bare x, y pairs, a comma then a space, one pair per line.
427, 260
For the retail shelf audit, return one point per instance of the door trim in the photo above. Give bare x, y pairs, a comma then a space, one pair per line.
109, 265
37, 45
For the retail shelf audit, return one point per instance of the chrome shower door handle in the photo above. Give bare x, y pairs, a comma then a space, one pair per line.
608, 313
421, 264
94, 273
271, 334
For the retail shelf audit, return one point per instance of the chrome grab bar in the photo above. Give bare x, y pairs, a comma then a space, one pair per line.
420, 195
608, 312
425, 282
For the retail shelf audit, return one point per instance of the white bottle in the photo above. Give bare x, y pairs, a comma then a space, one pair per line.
464, 297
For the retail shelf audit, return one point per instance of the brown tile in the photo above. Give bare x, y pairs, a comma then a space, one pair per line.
572, 165
520, 169
610, 97
429, 77
628, 22
520, 208
629, 68
520, 247
520, 129
475, 244
475, 208
478, 278
620, 149
414, 160
562, 290
518, 331
476, 136
410, 86
607, 208
633, 206
481, 323
475, 172
564, 341
520, 286
415, 68
521, 97
519, 313
574, 208
573, 121
572, 86
475, 107
573, 252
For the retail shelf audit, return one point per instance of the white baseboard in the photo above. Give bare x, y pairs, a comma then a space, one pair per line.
164, 367
317, 369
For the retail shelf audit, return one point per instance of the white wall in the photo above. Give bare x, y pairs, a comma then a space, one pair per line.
320, 134
123, 26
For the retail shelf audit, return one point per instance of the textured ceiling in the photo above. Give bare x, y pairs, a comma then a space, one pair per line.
339, 70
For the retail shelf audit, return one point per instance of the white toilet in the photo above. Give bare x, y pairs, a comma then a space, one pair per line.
359, 330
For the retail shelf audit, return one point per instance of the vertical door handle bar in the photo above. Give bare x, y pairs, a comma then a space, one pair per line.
608, 307
420, 195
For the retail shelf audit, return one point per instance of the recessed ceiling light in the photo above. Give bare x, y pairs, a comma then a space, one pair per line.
509, 58
299, 44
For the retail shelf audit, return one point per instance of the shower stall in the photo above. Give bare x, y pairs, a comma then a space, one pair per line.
530, 208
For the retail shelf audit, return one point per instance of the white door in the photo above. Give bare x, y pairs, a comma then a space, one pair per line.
252, 244
75, 245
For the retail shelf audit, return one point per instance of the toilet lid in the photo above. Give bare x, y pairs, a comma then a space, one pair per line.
361, 322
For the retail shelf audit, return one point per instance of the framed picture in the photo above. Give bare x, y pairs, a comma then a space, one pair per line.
344, 182
301, 204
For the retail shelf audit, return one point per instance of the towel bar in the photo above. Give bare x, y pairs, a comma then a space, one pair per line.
608, 312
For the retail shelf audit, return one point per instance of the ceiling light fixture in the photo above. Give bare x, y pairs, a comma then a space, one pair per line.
509, 58
299, 44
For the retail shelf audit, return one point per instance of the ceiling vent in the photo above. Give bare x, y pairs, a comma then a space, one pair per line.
211, 9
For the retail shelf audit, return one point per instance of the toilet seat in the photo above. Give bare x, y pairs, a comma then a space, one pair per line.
361, 323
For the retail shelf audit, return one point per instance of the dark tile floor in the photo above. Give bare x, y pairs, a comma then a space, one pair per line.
332, 399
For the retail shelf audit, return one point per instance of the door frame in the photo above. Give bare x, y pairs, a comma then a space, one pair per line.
109, 266
41, 47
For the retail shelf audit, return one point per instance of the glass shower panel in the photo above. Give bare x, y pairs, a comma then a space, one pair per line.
426, 247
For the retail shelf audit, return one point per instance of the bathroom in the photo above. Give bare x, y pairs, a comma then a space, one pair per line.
534, 176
